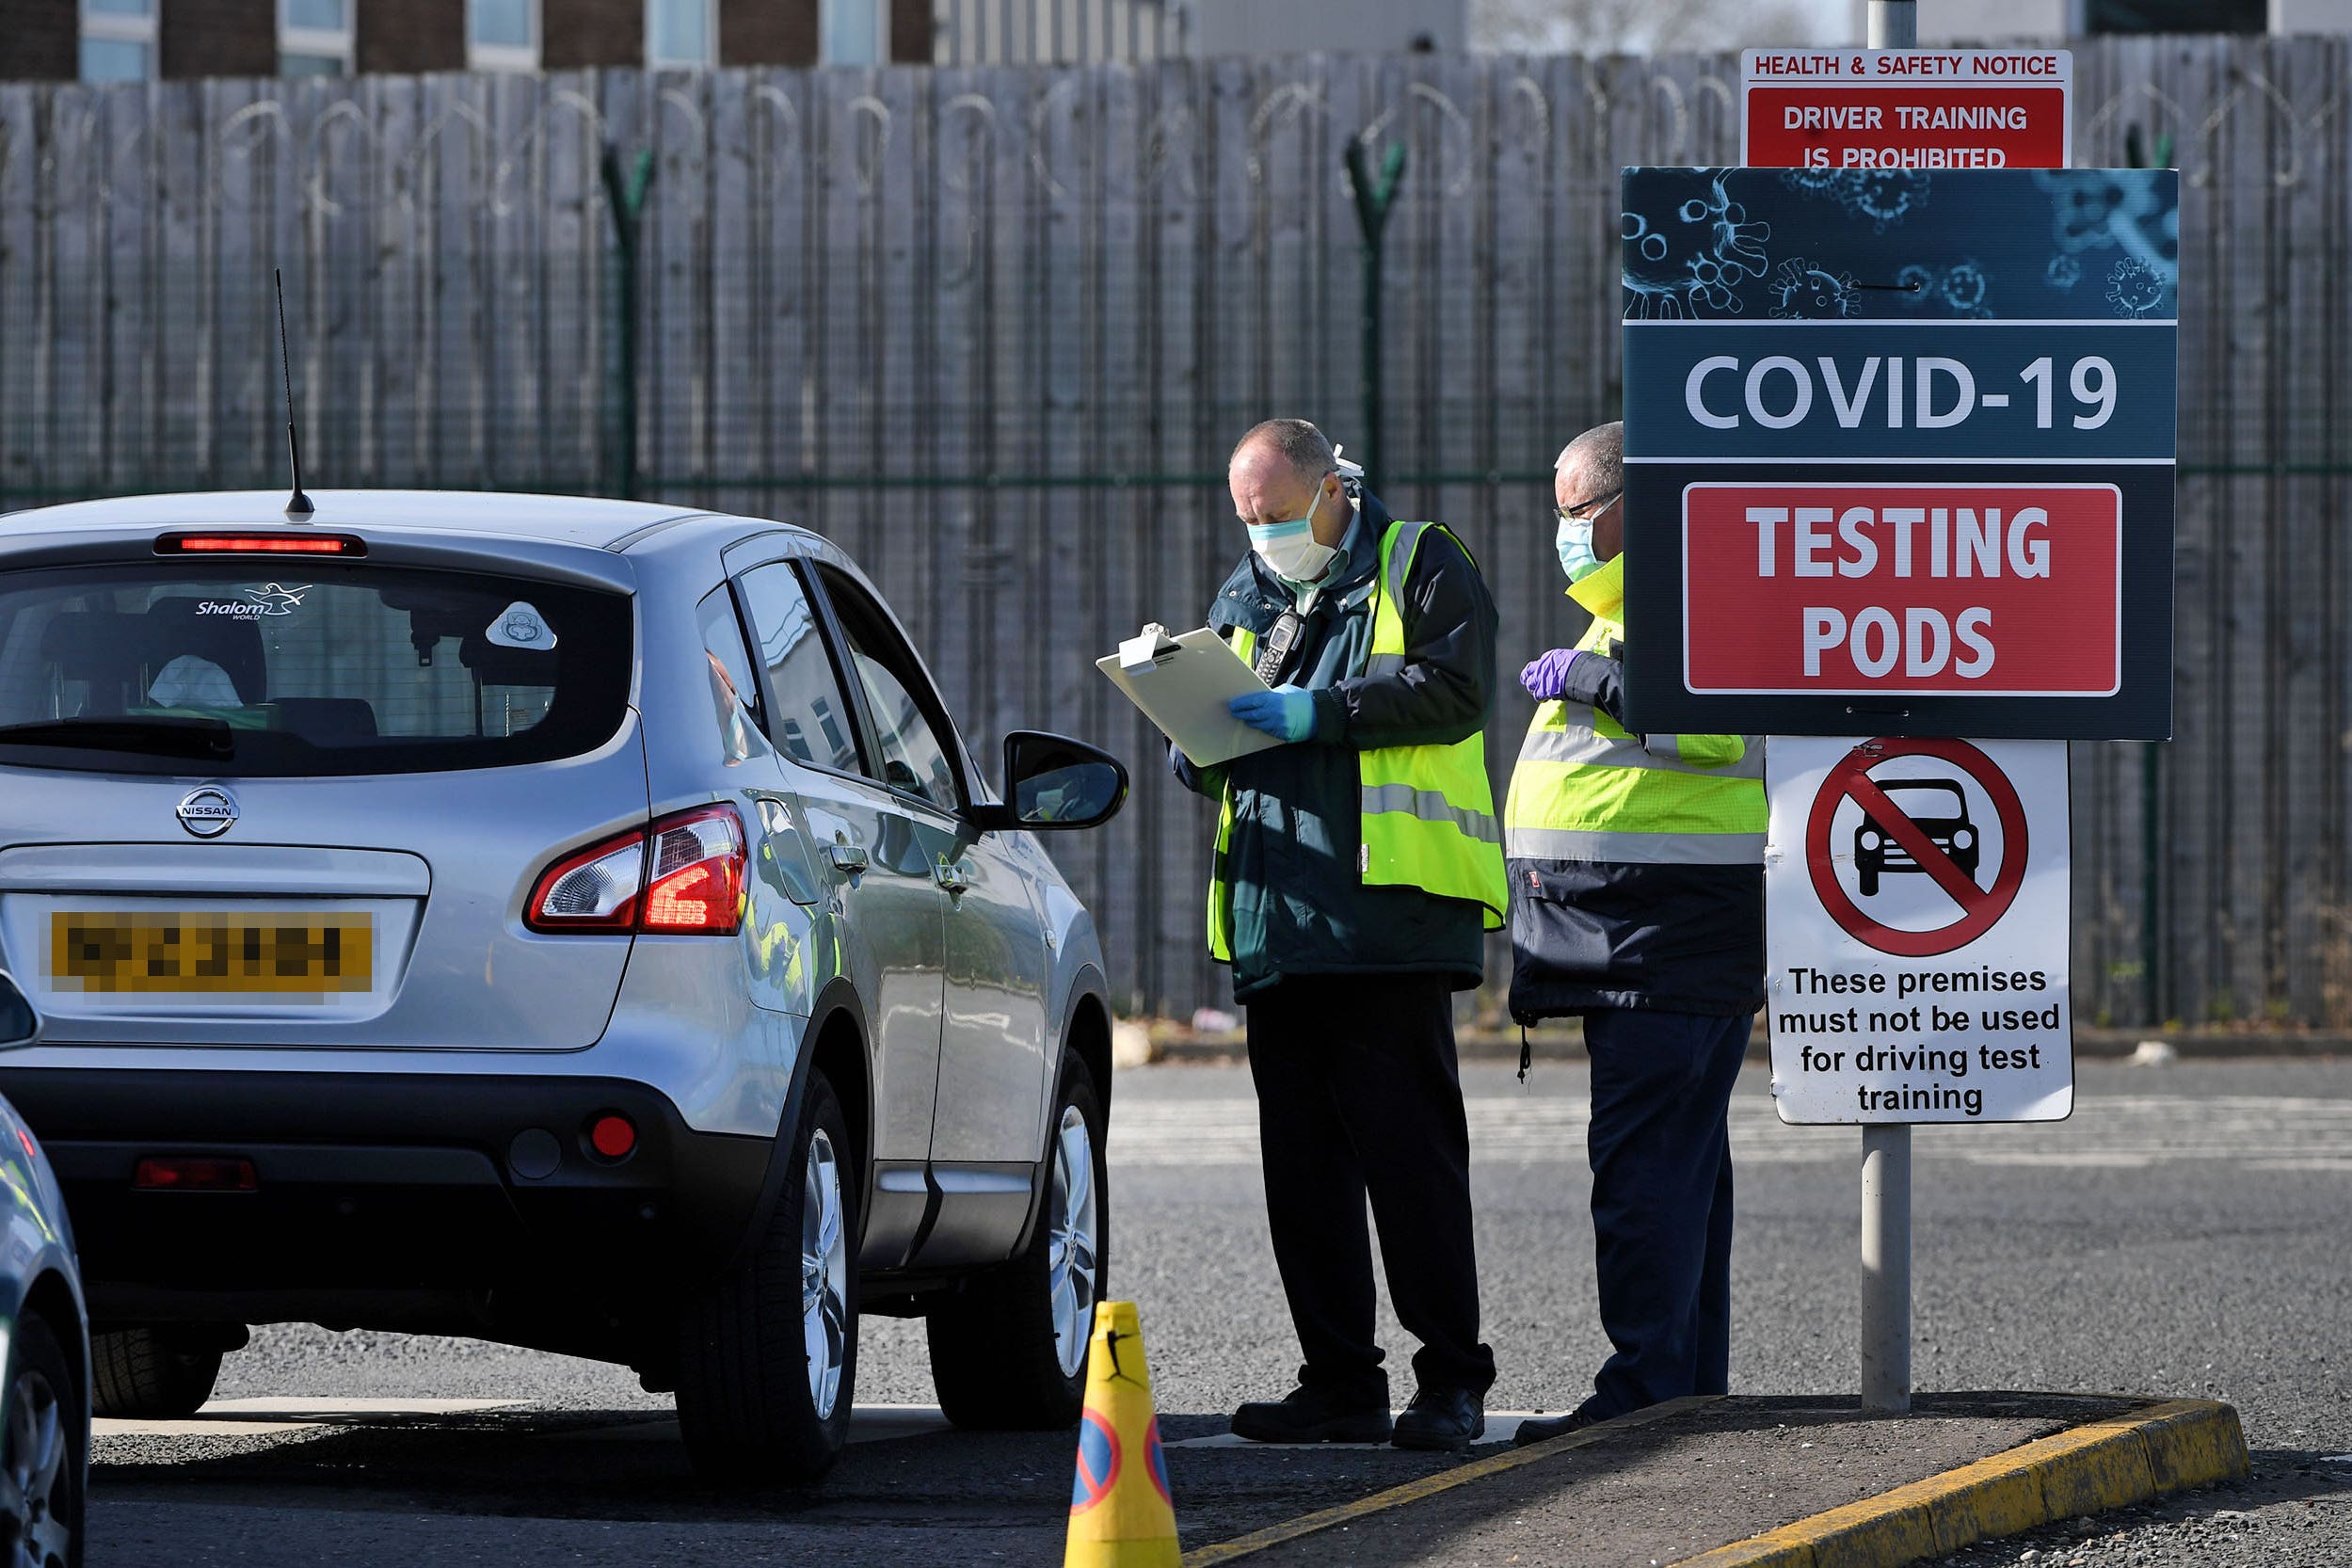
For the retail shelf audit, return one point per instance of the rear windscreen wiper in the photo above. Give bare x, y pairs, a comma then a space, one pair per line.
159, 737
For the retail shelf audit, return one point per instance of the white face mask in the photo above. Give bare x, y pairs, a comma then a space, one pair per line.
1289, 549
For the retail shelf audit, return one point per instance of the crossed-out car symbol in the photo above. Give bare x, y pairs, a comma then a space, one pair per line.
1939, 807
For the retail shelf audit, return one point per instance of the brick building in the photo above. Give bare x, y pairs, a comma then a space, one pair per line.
134, 39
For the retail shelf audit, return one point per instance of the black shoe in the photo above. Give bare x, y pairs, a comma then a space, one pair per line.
1446, 1419
1311, 1417
1538, 1429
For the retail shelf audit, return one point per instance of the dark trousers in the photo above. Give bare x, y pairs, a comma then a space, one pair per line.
1358, 1097
1662, 1201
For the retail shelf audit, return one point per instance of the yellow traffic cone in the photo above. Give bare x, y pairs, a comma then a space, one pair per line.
1121, 1515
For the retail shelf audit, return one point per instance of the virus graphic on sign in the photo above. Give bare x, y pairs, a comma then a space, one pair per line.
1812, 181
2063, 272
2114, 209
1884, 197
1961, 287
1965, 287
1802, 291
2133, 289
1691, 263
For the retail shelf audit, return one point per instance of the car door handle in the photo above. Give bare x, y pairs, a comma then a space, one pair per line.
951, 876
847, 858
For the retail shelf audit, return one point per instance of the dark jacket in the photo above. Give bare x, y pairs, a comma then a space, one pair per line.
1672, 920
1298, 905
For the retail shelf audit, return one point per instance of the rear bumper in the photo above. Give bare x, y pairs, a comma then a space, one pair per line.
370, 1187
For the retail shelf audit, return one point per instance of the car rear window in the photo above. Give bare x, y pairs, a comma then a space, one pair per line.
309, 669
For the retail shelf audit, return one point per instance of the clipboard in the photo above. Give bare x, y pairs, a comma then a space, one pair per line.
1183, 684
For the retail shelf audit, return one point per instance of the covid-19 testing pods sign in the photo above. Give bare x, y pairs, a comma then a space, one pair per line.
1900, 451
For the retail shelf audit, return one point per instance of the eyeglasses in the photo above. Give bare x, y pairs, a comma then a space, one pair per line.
1584, 511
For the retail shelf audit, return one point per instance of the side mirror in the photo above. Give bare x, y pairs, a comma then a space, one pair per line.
1052, 782
18, 1024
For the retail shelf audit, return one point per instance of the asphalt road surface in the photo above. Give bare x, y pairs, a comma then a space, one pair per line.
2188, 1233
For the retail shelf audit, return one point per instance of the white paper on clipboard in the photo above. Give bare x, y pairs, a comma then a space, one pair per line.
1183, 685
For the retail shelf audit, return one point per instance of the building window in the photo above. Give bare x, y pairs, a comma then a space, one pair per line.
314, 38
853, 32
2176, 16
118, 40
680, 33
502, 35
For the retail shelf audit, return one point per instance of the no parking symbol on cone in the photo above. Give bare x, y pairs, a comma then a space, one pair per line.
1121, 1514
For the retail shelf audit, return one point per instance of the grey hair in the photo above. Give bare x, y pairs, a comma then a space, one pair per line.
1298, 442
1602, 452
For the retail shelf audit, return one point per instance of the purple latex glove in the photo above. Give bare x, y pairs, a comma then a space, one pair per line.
1547, 677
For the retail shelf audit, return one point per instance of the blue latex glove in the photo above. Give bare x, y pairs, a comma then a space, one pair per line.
1286, 713
1546, 677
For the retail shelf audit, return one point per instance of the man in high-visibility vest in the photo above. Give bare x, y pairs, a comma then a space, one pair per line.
1357, 867
1637, 902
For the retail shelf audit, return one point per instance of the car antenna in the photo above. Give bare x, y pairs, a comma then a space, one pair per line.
298, 508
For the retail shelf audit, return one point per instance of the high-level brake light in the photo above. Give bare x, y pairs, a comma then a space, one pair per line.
261, 544
693, 885
193, 1174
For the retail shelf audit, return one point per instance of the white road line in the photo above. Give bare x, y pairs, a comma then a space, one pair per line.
2114, 1132
364, 1405
252, 1418
1500, 1427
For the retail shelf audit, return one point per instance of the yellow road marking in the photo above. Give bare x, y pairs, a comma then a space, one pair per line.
1460, 1475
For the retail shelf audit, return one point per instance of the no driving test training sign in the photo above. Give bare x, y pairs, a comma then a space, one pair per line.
1916, 919
1900, 451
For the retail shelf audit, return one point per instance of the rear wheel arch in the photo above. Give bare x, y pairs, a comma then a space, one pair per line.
54, 1299
835, 1040
839, 1052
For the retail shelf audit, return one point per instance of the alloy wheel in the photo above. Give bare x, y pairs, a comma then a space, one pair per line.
1072, 1266
34, 1477
823, 1275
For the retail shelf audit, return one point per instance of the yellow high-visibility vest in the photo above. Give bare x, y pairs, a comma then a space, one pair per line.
1587, 790
1427, 810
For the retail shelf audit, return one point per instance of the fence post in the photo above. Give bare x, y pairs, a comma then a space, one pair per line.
625, 200
1372, 200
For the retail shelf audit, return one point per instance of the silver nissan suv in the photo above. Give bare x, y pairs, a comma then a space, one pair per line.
568, 922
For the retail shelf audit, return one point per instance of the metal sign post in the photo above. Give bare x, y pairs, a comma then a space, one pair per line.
1886, 1149
1886, 1261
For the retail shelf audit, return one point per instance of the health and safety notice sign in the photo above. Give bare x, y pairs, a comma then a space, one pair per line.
1917, 919
1906, 108
1900, 451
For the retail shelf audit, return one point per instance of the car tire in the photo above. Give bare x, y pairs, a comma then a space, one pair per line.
43, 1452
753, 1403
1869, 876
150, 1373
1008, 1347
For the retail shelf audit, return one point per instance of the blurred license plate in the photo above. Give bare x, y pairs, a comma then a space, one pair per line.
289, 955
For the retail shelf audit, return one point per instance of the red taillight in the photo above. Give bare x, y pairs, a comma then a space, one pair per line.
260, 544
612, 1135
193, 1174
696, 884
693, 885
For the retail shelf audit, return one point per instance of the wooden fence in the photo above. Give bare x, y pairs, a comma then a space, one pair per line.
995, 329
